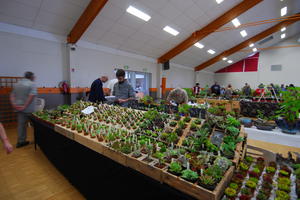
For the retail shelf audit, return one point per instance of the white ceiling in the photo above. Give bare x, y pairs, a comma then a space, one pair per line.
115, 28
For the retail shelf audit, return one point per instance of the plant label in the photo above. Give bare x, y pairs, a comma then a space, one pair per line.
88, 110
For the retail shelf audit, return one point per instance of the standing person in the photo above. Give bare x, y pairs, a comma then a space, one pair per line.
123, 91
215, 88
111, 85
247, 90
282, 88
7, 146
228, 92
22, 99
179, 96
96, 92
196, 89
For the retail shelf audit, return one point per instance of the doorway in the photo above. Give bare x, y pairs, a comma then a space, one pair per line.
140, 81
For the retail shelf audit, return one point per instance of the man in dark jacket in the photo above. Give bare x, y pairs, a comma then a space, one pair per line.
216, 89
96, 92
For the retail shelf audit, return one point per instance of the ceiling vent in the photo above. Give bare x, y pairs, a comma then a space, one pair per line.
266, 40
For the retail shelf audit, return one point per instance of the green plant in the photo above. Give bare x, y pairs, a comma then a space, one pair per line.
175, 167
251, 184
193, 126
197, 121
147, 99
211, 147
285, 181
283, 173
249, 159
230, 192
297, 173
173, 123
215, 171
284, 187
187, 119
189, 175
232, 130
244, 167
233, 186
232, 121
181, 124
184, 109
207, 180
172, 138
261, 196
177, 117
270, 170
291, 104
255, 180
282, 195
256, 170
223, 163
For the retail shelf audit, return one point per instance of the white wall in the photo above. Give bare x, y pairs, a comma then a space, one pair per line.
90, 64
45, 58
205, 78
289, 58
179, 77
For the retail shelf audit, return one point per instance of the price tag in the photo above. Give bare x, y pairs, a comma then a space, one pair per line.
88, 110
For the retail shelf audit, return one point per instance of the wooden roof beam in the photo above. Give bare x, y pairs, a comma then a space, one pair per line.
210, 28
246, 43
87, 17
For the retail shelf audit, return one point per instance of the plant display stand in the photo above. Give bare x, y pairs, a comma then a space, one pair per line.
114, 134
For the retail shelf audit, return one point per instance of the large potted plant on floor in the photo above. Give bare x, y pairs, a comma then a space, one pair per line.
289, 113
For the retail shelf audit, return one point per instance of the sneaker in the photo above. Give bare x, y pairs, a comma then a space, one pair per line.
22, 144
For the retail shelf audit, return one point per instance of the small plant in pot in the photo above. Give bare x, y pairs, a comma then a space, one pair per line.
289, 111
207, 182
175, 168
230, 193
189, 175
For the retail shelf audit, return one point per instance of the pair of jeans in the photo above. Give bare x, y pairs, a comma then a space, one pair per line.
22, 126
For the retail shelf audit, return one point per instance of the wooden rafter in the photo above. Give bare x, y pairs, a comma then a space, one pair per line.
85, 20
246, 43
210, 28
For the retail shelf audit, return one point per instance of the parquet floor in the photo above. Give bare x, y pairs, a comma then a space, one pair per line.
26, 174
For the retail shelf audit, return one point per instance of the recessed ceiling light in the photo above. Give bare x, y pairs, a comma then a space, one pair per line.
283, 11
224, 58
254, 49
243, 33
236, 22
211, 51
230, 61
132, 10
283, 35
251, 45
283, 29
199, 45
171, 30
219, 1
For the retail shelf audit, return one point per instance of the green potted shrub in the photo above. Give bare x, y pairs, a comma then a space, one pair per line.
189, 175
289, 111
175, 168
207, 182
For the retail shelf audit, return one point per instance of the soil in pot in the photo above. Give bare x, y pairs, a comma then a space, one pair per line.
209, 187
147, 160
160, 166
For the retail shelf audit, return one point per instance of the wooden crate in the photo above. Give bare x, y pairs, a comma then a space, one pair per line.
239, 154
195, 190
89, 142
147, 169
64, 131
115, 155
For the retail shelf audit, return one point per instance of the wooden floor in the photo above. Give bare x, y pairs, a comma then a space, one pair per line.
27, 174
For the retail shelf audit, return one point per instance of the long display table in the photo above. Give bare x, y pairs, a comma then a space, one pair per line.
94, 175
275, 136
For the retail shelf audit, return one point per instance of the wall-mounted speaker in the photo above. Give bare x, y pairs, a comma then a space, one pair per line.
166, 65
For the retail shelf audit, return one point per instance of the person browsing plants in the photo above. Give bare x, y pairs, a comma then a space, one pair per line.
96, 92
123, 91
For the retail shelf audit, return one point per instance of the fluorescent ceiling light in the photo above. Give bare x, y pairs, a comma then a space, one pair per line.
132, 10
243, 33
171, 30
219, 1
224, 58
199, 45
283, 29
254, 49
283, 35
211, 51
251, 45
230, 61
236, 22
283, 11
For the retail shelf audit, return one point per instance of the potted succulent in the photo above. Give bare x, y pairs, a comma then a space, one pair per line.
289, 111
189, 175
175, 168
207, 182
230, 193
